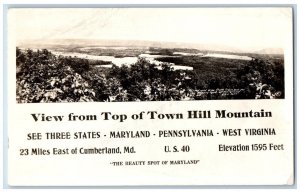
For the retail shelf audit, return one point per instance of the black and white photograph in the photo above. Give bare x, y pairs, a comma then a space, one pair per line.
145, 96
149, 54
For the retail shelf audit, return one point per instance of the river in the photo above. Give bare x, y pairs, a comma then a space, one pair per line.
119, 61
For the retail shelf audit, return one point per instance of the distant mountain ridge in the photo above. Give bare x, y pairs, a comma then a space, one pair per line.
39, 43
271, 51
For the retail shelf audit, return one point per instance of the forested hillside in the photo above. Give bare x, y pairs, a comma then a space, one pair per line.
45, 77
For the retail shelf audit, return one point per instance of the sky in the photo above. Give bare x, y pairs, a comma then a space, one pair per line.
244, 28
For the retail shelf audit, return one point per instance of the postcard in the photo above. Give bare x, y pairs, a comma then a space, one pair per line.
150, 96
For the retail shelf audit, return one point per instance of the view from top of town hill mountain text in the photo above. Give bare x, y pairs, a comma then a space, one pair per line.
149, 54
